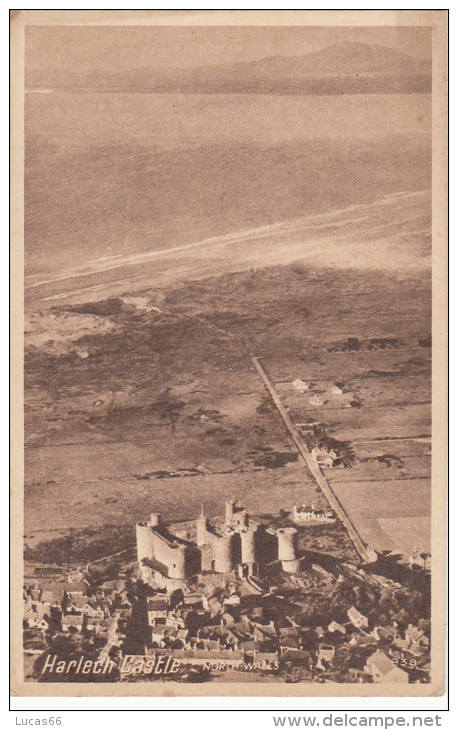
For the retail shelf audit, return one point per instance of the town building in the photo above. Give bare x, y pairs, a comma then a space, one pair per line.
324, 457
382, 670
300, 385
358, 619
307, 515
326, 653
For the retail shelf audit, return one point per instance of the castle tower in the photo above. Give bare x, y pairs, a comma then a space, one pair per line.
240, 520
287, 537
230, 504
145, 547
154, 519
201, 525
248, 546
222, 554
287, 549
177, 568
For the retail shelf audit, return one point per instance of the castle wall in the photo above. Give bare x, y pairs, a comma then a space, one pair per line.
201, 537
145, 545
240, 520
229, 510
170, 584
206, 556
174, 556
180, 560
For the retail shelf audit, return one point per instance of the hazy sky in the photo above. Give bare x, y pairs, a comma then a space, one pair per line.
126, 47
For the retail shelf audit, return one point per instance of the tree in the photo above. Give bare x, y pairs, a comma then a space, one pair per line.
169, 407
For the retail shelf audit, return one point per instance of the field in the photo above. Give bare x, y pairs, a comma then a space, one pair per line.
381, 416
159, 407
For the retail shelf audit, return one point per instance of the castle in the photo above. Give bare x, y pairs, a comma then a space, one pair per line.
171, 556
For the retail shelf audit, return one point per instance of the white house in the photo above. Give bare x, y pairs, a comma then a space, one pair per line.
357, 619
383, 670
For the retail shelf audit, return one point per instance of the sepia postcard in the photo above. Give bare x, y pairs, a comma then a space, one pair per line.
229, 274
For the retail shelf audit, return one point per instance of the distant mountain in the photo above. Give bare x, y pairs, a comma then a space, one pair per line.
340, 59
348, 67
350, 57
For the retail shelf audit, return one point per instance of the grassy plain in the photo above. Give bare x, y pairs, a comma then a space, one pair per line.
160, 406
